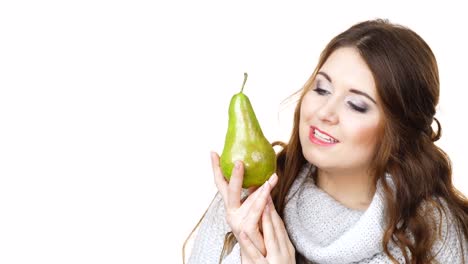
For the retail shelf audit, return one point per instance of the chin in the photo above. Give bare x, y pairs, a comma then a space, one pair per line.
321, 160
312, 158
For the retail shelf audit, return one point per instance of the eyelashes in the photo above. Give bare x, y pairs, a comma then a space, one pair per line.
323, 92
357, 108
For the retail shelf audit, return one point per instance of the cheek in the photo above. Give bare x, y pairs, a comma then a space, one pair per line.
306, 114
363, 133
308, 107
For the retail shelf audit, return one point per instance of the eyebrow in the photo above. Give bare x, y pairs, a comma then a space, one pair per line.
351, 90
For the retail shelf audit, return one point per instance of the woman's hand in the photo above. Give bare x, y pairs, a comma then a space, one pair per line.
243, 217
279, 248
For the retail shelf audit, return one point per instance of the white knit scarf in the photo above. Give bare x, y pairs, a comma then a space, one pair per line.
325, 231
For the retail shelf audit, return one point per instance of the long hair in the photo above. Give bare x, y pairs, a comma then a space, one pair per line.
407, 80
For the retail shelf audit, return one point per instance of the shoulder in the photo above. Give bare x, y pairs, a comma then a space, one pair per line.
450, 243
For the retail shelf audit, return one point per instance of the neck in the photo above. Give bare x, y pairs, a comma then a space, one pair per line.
353, 189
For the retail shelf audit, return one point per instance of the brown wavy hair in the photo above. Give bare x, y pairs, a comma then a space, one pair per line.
407, 80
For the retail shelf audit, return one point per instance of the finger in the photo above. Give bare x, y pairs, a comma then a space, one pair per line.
248, 248
263, 195
245, 209
272, 180
235, 186
279, 228
252, 189
257, 206
253, 216
220, 181
252, 210
251, 221
253, 197
268, 230
257, 240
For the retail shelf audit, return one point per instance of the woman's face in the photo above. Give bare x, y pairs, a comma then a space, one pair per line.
340, 117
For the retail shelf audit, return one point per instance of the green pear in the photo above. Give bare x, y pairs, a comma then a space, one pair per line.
245, 142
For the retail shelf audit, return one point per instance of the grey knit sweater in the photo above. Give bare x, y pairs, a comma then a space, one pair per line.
324, 231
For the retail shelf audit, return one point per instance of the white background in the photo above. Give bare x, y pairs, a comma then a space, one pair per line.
108, 110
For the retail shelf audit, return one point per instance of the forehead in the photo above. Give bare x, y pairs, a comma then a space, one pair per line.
347, 69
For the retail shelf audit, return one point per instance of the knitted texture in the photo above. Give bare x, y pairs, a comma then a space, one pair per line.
325, 231
209, 240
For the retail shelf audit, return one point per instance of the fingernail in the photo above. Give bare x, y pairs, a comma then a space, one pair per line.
237, 164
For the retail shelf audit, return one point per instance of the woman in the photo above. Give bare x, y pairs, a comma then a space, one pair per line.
360, 180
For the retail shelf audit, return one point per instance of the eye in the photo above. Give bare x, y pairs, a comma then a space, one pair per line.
321, 91
357, 108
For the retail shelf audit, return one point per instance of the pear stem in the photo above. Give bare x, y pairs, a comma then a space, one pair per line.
245, 79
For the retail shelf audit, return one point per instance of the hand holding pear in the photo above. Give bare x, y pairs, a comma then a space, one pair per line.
245, 142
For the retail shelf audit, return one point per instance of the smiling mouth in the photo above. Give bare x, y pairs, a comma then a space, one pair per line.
321, 138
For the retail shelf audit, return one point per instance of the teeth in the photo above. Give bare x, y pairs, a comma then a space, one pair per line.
323, 137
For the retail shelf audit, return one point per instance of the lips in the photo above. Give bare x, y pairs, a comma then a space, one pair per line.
321, 138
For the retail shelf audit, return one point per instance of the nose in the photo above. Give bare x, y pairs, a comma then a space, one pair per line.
327, 112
